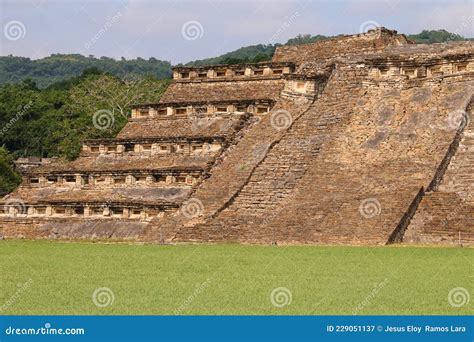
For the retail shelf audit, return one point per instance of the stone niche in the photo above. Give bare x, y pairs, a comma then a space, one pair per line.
149, 148
230, 71
440, 69
124, 179
160, 111
85, 211
149, 112
300, 87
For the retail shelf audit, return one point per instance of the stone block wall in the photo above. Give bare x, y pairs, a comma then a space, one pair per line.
446, 213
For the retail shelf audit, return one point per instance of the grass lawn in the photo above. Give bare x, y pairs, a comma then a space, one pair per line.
46, 277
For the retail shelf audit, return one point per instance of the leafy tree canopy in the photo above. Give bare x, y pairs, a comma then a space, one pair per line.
9, 179
60, 67
53, 121
435, 36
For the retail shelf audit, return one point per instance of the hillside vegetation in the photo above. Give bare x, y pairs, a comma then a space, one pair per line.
53, 121
60, 67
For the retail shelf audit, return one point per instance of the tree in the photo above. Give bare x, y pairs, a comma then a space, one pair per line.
53, 121
111, 93
9, 179
435, 36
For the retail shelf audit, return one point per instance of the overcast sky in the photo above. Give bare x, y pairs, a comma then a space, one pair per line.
180, 31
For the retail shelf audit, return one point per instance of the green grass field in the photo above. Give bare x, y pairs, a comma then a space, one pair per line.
44, 277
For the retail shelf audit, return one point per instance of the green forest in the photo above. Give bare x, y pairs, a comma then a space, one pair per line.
59, 67
53, 121
47, 105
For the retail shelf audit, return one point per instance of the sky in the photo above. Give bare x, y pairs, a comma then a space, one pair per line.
181, 31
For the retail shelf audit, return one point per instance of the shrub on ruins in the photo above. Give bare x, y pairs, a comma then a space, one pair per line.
9, 179
305, 39
246, 54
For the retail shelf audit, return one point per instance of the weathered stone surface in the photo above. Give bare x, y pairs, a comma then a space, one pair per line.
446, 214
373, 41
229, 90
